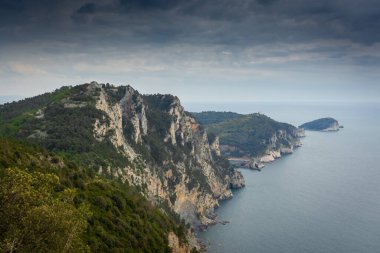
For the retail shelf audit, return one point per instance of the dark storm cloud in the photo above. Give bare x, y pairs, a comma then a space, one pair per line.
150, 4
86, 26
222, 21
11, 5
88, 8
266, 2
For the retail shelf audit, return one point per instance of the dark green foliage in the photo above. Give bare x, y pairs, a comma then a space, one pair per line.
122, 219
75, 125
210, 117
248, 134
119, 220
36, 217
319, 124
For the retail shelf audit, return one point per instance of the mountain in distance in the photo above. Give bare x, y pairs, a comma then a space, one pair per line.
322, 124
250, 139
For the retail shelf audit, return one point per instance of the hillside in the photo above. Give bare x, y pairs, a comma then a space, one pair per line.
250, 136
148, 141
51, 204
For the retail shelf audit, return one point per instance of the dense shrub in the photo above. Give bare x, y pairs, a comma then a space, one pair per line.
111, 216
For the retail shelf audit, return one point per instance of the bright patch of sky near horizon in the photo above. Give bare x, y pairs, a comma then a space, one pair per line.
216, 51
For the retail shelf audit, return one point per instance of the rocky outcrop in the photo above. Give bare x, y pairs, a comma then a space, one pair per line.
281, 143
133, 109
178, 247
113, 127
215, 146
183, 172
237, 180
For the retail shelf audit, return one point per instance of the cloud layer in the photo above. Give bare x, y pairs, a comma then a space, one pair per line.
254, 41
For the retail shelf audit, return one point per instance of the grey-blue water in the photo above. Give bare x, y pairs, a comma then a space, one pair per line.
323, 198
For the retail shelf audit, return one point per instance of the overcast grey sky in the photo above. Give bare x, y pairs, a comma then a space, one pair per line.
199, 50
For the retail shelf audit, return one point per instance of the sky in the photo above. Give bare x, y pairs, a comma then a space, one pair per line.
199, 50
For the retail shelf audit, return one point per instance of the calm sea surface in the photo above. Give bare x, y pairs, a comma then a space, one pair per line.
323, 198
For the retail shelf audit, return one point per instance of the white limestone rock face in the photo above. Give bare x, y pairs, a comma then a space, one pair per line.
178, 247
192, 185
271, 156
133, 110
114, 124
215, 146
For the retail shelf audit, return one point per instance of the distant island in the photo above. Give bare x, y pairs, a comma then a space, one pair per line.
323, 124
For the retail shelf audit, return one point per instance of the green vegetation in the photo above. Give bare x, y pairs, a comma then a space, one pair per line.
244, 135
50, 204
210, 117
113, 216
35, 217
14, 115
62, 129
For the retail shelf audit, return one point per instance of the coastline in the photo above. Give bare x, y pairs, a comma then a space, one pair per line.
252, 163
258, 162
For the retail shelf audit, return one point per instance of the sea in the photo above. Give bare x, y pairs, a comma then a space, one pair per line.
325, 197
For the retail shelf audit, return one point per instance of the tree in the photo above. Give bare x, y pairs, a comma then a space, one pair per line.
35, 217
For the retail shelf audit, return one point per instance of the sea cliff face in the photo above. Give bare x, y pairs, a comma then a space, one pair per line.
187, 176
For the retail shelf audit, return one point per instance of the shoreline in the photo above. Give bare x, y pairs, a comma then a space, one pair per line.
259, 162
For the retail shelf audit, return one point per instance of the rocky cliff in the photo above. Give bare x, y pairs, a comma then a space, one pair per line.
148, 141
171, 157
